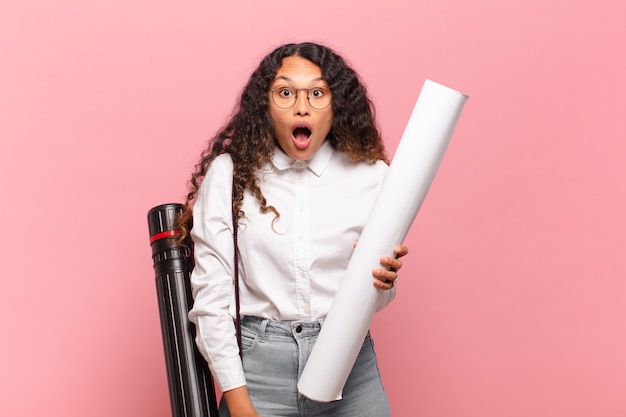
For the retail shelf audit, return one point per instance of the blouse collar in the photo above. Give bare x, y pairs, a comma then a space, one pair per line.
317, 163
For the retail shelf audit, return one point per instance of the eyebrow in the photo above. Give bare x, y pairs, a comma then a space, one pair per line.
283, 77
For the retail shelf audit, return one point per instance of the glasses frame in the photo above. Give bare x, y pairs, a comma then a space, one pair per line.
308, 98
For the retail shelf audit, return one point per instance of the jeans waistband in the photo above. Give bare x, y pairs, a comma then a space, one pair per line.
296, 328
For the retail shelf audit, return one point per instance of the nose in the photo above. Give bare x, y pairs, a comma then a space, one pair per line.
302, 106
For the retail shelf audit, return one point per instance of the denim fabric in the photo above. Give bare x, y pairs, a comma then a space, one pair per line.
274, 355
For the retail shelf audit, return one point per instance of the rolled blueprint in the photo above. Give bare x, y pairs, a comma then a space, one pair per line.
192, 393
417, 158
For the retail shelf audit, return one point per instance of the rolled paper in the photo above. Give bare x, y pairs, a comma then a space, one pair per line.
412, 170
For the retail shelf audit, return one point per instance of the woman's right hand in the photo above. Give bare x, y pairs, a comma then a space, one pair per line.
239, 403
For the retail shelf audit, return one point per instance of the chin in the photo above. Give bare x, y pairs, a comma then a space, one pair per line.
301, 155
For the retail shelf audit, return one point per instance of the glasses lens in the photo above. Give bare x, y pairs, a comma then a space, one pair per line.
319, 97
284, 97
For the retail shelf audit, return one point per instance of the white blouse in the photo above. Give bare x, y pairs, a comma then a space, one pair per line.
289, 268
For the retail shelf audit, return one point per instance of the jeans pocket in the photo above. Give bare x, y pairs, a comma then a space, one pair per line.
249, 339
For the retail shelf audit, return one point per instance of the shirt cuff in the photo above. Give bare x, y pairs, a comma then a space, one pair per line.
228, 374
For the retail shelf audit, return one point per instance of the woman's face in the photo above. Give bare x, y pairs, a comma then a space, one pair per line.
301, 129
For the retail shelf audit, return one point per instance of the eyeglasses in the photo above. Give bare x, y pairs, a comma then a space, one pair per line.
285, 97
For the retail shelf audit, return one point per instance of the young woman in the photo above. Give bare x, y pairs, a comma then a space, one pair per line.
300, 163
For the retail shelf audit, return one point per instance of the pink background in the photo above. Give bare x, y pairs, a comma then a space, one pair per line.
513, 300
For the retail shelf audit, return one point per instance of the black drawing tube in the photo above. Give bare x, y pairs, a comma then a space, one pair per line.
192, 393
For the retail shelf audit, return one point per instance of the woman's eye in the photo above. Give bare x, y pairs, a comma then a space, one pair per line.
317, 93
285, 92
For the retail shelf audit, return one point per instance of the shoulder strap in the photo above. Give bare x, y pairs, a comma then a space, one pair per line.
236, 273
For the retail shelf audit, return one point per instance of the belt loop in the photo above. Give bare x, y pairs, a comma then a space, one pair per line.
262, 330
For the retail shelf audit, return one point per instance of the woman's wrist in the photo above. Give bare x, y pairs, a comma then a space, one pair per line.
239, 403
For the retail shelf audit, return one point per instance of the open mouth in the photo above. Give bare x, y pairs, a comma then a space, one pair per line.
301, 134
301, 137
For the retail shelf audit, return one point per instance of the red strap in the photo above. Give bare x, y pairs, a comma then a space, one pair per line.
163, 235
236, 274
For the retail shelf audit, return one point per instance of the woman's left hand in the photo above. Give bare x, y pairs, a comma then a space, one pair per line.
385, 279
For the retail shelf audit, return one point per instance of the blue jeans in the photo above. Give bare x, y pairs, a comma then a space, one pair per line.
274, 355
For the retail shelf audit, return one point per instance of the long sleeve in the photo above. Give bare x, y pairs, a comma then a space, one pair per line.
385, 298
212, 277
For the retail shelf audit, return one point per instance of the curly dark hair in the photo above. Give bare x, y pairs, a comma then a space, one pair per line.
248, 137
